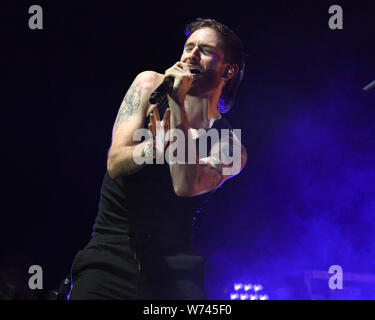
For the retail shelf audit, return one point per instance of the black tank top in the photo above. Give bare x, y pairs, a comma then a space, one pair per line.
144, 203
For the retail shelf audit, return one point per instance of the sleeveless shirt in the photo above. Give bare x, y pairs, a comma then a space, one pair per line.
144, 204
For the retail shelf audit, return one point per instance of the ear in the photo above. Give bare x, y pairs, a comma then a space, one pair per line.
230, 71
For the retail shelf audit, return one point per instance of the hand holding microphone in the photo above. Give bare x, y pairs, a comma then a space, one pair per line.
177, 82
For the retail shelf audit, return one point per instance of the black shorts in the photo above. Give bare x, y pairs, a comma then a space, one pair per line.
107, 269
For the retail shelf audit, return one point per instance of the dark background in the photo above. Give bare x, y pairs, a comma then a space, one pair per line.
306, 199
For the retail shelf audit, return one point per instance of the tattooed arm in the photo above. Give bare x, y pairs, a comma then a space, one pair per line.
226, 159
221, 164
130, 117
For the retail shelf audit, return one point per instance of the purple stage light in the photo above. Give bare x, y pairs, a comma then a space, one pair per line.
248, 291
248, 287
234, 296
238, 286
258, 287
244, 296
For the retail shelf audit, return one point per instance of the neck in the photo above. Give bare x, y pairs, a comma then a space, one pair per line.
201, 112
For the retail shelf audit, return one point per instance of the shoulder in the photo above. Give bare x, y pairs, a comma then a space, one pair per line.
144, 84
149, 78
149, 74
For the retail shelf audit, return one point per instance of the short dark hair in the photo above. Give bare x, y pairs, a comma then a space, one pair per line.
233, 53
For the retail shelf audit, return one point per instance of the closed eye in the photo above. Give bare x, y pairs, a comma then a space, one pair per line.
204, 49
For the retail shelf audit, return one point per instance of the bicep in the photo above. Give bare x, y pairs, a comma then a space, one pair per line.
132, 111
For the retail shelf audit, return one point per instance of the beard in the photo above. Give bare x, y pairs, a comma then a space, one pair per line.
205, 82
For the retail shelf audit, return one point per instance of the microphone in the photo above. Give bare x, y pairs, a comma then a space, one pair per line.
161, 91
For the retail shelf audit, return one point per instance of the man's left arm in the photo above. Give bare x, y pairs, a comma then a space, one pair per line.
207, 174
226, 159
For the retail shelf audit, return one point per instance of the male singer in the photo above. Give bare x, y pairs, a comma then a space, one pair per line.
140, 247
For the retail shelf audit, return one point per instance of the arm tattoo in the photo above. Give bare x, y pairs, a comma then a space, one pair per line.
214, 175
130, 104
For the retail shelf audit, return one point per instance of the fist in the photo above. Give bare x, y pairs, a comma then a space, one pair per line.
183, 80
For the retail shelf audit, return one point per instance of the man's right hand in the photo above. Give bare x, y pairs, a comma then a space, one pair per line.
183, 80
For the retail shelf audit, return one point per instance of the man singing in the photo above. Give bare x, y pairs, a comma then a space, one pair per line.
140, 246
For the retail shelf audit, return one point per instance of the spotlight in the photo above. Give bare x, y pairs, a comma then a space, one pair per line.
248, 287
234, 296
248, 291
238, 286
258, 287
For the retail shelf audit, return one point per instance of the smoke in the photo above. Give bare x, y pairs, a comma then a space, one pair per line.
310, 202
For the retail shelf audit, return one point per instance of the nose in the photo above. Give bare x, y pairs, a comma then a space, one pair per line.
195, 54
